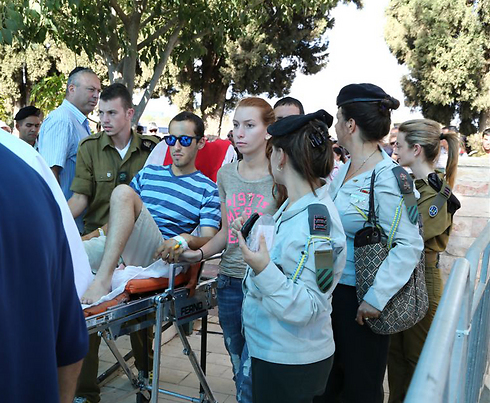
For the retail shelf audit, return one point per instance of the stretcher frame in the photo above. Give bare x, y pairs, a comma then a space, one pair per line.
171, 307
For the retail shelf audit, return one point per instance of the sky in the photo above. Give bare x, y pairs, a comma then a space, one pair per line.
358, 53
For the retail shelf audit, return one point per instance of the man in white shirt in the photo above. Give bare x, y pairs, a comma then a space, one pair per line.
67, 125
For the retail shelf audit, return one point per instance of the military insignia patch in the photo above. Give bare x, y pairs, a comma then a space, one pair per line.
320, 223
405, 184
433, 210
148, 145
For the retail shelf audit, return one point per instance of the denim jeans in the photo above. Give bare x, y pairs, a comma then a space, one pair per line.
230, 298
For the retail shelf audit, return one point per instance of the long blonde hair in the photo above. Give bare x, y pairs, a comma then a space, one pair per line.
427, 133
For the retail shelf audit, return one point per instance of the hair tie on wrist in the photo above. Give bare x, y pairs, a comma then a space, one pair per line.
202, 254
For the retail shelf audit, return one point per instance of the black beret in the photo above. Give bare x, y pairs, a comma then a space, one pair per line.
291, 123
26, 112
360, 93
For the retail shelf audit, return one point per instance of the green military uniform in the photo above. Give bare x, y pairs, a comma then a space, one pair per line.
100, 169
405, 347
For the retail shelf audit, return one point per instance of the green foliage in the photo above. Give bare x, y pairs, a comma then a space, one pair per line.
49, 93
446, 46
21, 69
255, 46
271, 43
4, 113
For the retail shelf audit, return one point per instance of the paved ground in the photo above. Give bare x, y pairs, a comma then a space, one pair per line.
176, 371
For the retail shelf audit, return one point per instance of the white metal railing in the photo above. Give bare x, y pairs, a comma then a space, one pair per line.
455, 356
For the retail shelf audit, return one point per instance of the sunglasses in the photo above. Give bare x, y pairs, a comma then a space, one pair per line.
185, 141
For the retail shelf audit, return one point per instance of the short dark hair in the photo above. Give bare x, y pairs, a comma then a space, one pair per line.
76, 72
290, 101
340, 151
451, 129
486, 132
191, 117
117, 90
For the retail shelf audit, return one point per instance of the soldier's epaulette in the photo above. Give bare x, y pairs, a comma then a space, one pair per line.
405, 183
318, 219
94, 136
320, 226
149, 142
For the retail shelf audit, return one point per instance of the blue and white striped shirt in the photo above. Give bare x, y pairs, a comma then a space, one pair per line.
178, 204
59, 136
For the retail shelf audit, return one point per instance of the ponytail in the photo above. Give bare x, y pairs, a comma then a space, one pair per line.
427, 133
452, 139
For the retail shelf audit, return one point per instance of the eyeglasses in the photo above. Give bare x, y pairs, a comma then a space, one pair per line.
153, 130
185, 141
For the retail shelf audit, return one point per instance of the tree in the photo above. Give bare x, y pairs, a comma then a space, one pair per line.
134, 36
446, 46
262, 57
36, 75
127, 35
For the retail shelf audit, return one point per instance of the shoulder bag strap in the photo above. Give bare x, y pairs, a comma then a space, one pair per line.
372, 214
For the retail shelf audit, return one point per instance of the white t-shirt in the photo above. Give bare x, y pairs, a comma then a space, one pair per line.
124, 151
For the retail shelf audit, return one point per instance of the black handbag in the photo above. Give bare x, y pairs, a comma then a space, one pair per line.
410, 304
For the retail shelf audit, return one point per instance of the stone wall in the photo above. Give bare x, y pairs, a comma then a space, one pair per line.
473, 190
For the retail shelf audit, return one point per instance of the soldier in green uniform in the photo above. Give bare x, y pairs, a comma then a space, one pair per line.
418, 145
104, 161
107, 159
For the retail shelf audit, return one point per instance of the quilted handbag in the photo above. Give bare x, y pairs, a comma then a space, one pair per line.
409, 305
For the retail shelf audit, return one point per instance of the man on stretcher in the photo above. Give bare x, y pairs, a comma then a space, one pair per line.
154, 216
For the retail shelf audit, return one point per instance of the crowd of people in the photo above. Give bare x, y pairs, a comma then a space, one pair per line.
293, 324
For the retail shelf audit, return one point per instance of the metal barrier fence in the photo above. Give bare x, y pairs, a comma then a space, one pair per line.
454, 359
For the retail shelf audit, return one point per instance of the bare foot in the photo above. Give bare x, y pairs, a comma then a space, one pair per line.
94, 292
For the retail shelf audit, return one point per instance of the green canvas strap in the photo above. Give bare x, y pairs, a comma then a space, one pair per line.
405, 183
441, 198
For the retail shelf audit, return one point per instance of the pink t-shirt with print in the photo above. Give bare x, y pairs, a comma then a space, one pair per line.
241, 196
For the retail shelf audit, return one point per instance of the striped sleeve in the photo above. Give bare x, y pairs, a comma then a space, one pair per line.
210, 215
54, 141
136, 182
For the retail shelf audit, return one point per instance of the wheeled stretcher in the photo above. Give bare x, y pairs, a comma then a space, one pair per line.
163, 303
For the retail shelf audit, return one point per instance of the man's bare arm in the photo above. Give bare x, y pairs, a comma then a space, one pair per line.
96, 233
56, 171
170, 250
77, 203
67, 381
195, 242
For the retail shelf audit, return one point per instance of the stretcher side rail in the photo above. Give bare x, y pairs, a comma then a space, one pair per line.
181, 308
171, 306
